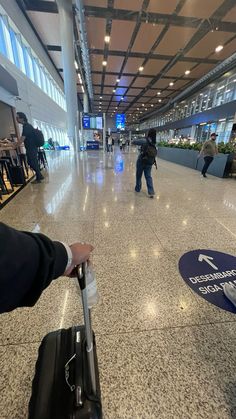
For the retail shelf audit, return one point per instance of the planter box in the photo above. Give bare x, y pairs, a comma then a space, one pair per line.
189, 158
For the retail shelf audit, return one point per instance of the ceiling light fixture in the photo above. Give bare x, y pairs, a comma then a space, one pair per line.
117, 80
107, 39
114, 90
141, 68
122, 98
159, 100
76, 65
145, 109
104, 63
100, 97
219, 48
187, 72
171, 83
158, 93
152, 105
142, 104
82, 87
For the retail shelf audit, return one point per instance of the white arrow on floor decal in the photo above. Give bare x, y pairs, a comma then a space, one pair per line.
207, 259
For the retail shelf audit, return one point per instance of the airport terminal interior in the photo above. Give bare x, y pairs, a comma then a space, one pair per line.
94, 77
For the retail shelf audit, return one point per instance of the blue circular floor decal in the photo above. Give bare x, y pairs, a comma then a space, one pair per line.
205, 271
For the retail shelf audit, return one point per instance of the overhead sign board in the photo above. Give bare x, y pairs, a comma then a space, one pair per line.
120, 121
92, 121
206, 271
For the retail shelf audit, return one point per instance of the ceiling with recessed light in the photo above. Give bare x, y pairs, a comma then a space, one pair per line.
143, 52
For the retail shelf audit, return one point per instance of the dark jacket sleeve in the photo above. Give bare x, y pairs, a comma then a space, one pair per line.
28, 264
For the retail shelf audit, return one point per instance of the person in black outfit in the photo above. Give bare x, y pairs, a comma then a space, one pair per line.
28, 138
29, 262
144, 162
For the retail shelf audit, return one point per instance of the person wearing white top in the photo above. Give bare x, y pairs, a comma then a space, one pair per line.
109, 143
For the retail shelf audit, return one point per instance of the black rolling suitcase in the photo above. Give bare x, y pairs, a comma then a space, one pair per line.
17, 175
66, 382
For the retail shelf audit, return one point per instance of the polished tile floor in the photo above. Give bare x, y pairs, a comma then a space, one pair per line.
163, 351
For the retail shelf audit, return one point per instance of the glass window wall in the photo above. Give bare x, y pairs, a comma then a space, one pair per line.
58, 135
15, 48
218, 93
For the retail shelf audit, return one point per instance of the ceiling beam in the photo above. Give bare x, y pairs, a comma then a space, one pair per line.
133, 38
225, 7
159, 18
203, 29
106, 45
153, 56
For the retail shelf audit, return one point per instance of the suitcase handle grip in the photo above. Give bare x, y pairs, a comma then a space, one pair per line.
81, 275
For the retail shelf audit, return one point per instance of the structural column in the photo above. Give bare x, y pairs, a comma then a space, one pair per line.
86, 103
104, 131
69, 73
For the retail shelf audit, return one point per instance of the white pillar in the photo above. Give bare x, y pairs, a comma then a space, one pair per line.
193, 131
69, 73
86, 103
81, 130
104, 132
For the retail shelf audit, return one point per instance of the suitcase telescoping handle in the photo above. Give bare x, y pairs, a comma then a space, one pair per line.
81, 275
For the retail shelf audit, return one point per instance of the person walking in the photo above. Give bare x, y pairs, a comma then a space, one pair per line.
110, 144
208, 151
28, 138
145, 161
123, 143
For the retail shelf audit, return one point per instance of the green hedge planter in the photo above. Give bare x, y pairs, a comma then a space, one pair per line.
189, 158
